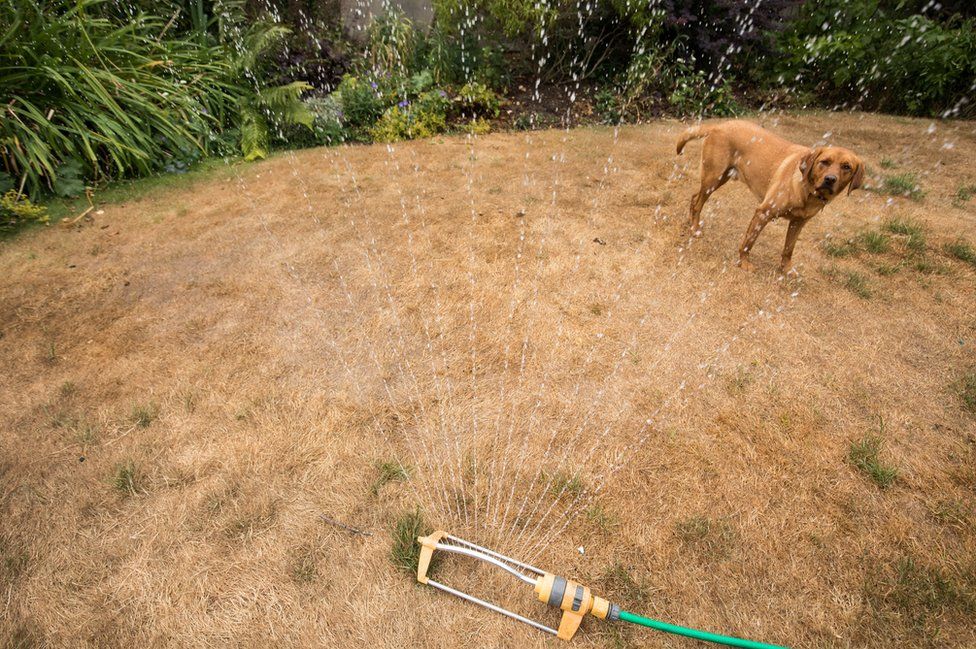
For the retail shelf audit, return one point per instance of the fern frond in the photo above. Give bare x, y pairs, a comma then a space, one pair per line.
255, 140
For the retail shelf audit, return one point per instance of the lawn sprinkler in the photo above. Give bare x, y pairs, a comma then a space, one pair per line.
573, 599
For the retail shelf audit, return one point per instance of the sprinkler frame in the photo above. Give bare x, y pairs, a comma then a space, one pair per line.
575, 600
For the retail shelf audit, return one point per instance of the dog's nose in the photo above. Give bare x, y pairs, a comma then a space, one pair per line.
830, 180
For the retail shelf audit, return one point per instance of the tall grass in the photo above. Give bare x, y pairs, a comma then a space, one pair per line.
89, 96
84, 95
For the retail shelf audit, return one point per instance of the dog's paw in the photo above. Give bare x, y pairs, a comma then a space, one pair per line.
746, 265
789, 271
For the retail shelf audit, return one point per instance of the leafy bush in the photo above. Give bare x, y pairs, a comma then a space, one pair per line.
406, 122
16, 210
478, 99
362, 101
455, 57
695, 95
872, 55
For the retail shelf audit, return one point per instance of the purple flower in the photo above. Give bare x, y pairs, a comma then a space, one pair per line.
442, 93
373, 85
403, 104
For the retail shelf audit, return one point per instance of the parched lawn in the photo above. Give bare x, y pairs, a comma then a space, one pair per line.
514, 335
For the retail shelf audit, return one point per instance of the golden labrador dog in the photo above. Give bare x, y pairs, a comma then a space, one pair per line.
791, 181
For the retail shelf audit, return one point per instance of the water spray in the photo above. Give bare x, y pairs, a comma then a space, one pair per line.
573, 599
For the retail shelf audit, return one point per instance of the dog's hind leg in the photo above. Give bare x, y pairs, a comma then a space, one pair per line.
712, 177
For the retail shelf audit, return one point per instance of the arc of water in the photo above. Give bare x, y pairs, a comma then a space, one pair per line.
573, 509
310, 304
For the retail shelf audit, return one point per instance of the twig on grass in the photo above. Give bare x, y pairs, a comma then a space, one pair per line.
348, 528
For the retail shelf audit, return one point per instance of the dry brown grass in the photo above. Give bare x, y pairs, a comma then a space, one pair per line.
191, 380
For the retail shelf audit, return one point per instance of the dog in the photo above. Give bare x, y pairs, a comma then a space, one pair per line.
791, 181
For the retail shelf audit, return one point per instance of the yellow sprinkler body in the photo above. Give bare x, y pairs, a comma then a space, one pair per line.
574, 599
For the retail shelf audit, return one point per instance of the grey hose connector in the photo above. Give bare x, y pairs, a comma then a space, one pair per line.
614, 613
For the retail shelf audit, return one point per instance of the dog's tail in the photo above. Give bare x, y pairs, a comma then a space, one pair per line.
693, 133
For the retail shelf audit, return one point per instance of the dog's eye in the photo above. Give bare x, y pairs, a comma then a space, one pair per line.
824, 163
845, 167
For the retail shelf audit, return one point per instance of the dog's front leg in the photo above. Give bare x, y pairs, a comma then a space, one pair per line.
792, 234
762, 216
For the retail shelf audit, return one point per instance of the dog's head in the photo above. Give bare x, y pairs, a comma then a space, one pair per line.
827, 170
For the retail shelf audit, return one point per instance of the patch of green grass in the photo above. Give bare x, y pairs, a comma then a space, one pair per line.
905, 184
926, 266
126, 479
618, 583
602, 518
389, 471
304, 569
709, 535
967, 390
963, 194
888, 269
596, 308
564, 483
67, 390
961, 250
857, 284
952, 513
864, 455
85, 434
923, 594
130, 190
912, 231
888, 163
257, 517
144, 414
833, 248
405, 552
875, 242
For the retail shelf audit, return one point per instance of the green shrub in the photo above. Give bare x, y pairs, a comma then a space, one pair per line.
477, 99
454, 57
695, 95
608, 106
879, 56
361, 100
16, 210
406, 122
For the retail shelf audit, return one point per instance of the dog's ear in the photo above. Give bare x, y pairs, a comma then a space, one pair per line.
807, 163
857, 180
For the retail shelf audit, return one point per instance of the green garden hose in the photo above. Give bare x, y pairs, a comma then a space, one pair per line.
695, 633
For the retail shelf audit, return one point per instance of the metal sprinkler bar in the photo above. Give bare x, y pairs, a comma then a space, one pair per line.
575, 600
